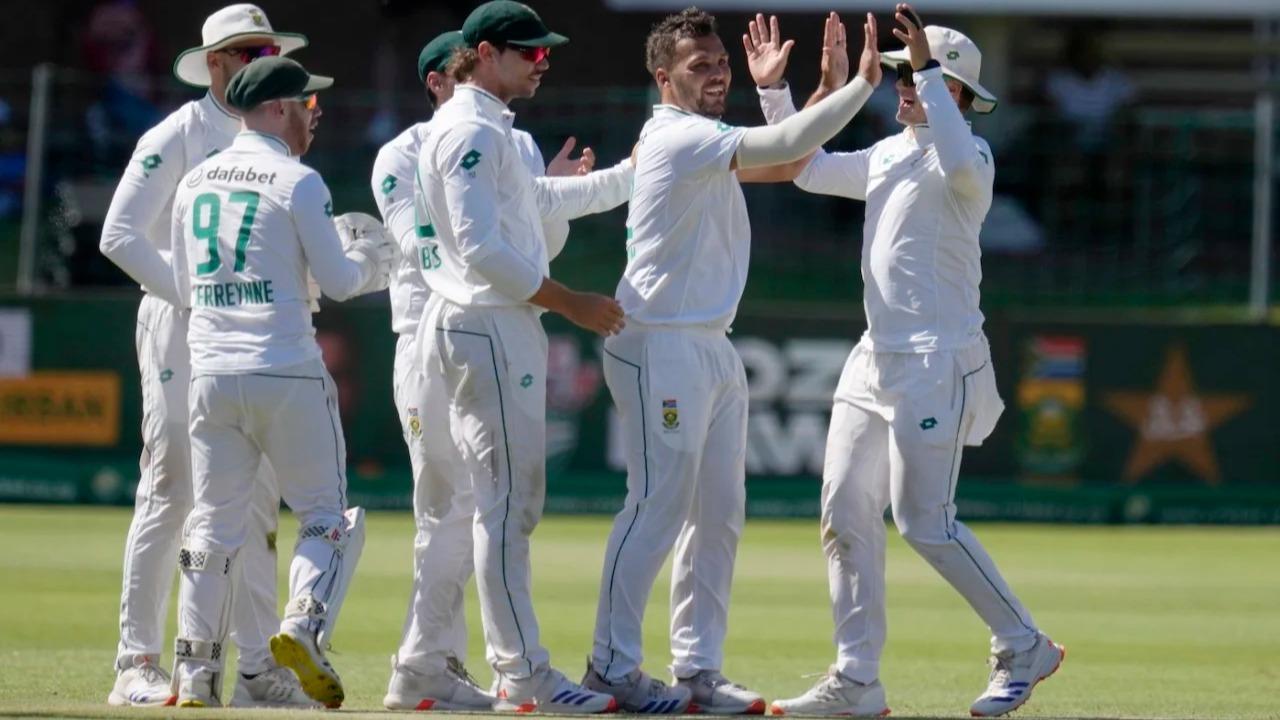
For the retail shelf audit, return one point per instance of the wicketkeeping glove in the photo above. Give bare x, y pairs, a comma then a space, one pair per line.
368, 242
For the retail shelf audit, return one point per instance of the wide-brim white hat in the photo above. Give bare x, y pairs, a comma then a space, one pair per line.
230, 25
960, 60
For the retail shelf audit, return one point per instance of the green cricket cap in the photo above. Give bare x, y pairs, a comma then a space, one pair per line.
503, 22
435, 54
272, 78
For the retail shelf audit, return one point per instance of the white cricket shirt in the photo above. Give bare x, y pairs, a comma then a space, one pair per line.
688, 234
135, 234
474, 196
927, 191
392, 183
248, 224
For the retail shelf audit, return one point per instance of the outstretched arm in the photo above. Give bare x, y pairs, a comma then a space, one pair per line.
799, 135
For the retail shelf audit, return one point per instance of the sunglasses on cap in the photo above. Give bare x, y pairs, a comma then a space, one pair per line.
249, 54
534, 55
905, 73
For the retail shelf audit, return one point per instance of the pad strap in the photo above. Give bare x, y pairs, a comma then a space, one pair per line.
334, 535
305, 606
186, 649
204, 561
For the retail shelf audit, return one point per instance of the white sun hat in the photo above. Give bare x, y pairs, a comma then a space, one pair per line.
231, 24
960, 60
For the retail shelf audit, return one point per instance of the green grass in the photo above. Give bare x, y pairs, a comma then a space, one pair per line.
1160, 622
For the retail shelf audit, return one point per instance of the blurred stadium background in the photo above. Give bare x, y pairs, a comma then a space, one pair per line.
1130, 277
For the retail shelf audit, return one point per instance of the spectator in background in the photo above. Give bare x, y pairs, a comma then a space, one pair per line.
1084, 191
118, 47
1086, 93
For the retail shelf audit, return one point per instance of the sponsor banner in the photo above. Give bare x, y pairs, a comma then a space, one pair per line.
15, 342
1106, 422
60, 408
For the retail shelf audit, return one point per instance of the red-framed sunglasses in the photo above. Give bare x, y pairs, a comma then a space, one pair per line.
308, 101
249, 54
534, 55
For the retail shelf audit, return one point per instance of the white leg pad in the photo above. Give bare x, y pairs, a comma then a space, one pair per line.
317, 603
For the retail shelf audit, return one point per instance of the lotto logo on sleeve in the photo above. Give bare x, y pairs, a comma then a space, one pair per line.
470, 160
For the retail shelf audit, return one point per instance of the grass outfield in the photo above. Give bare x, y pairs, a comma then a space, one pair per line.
1159, 622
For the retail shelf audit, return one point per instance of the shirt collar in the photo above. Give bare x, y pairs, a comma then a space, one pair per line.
219, 115
673, 110
486, 102
254, 140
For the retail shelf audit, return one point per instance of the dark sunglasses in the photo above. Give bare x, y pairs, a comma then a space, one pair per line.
249, 54
534, 55
905, 74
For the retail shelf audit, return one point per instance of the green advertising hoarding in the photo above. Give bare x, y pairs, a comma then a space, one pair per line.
1105, 422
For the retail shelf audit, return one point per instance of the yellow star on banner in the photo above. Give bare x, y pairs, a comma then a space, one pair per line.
1174, 421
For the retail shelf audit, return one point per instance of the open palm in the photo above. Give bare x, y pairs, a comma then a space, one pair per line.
766, 52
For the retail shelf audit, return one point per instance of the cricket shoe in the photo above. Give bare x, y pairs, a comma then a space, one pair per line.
1015, 675
640, 692
296, 649
714, 694
274, 688
143, 684
549, 691
450, 689
196, 686
836, 694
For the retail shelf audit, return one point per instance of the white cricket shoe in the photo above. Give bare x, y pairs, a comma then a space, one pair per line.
274, 688
296, 649
836, 694
1014, 676
714, 694
196, 686
640, 692
143, 684
549, 691
450, 689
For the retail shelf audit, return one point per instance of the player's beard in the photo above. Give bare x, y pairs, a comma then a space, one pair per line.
696, 99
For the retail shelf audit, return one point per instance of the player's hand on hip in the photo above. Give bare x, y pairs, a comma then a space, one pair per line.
912, 35
835, 54
766, 52
598, 313
869, 62
563, 166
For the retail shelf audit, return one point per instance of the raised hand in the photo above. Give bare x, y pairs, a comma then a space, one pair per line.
869, 63
835, 54
766, 52
562, 165
912, 35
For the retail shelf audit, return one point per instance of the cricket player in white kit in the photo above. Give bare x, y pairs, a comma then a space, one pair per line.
428, 670
481, 344
249, 225
678, 384
919, 386
136, 237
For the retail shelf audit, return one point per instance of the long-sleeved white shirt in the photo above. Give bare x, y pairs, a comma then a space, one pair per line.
248, 224
688, 234
927, 191
392, 184
475, 197
135, 234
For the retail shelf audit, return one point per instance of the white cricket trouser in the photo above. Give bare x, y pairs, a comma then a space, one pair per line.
164, 498
288, 416
681, 395
493, 363
898, 427
443, 511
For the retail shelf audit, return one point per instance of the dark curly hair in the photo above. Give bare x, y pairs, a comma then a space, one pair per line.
660, 46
